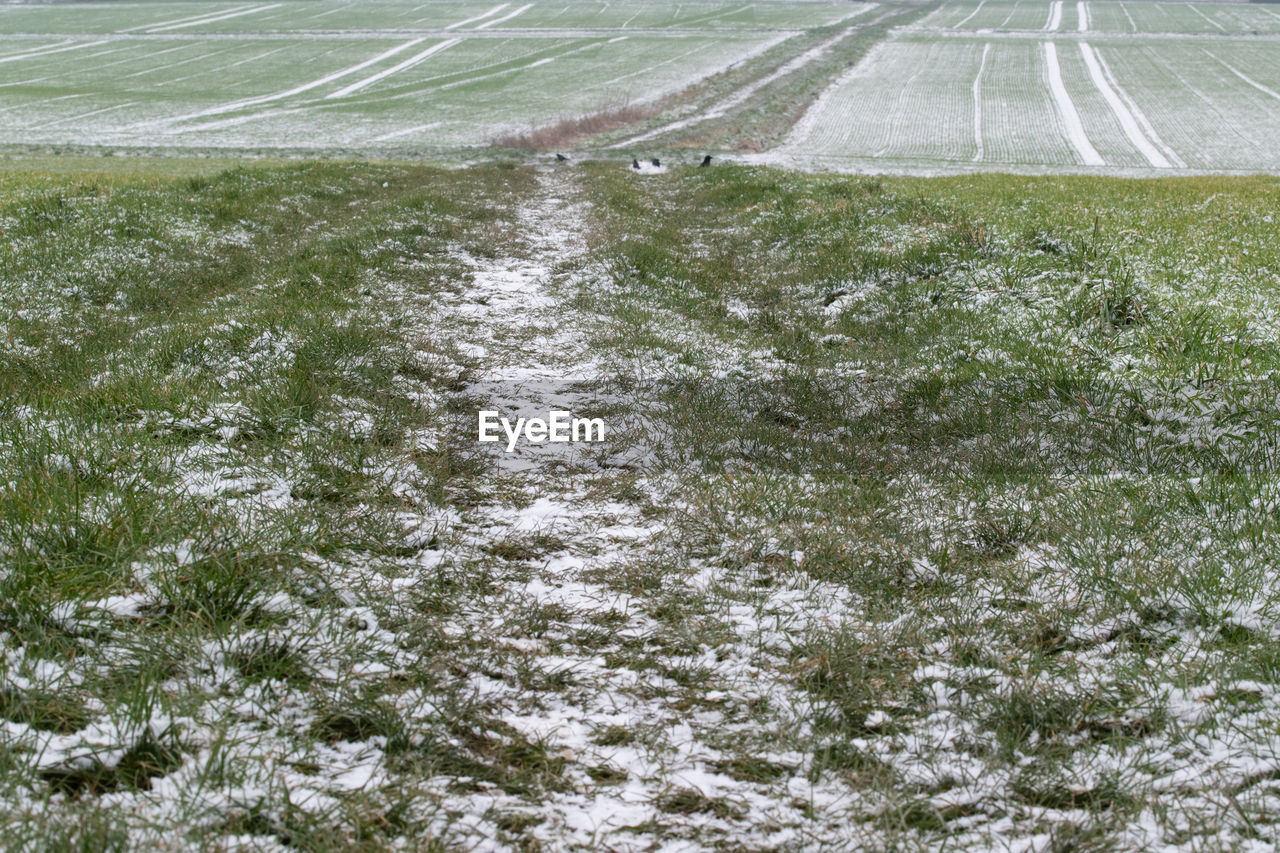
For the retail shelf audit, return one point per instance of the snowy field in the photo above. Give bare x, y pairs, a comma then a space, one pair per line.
1133, 88
330, 75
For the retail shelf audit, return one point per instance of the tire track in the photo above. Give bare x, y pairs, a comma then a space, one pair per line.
1125, 112
1071, 122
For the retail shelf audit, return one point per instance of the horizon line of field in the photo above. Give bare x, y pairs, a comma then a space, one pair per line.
1115, 119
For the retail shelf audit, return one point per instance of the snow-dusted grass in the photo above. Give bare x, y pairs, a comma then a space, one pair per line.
932, 511
1013, 441
222, 429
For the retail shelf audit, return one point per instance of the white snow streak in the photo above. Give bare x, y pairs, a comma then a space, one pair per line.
395, 69
1254, 83
741, 95
1055, 15
79, 116
970, 16
1070, 117
544, 61
209, 20
1137, 112
184, 18
977, 103
405, 131
1127, 119
1083, 11
1133, 25
1206, 17
526, 7
47, 51
297, 90
495, 10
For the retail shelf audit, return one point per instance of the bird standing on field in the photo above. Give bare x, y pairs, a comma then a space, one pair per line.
560, 158
635, 164
655, 162
706, 161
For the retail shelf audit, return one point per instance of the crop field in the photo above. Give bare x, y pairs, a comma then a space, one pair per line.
1133, 88
327, 75
1104, 16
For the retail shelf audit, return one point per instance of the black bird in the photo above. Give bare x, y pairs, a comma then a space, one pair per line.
560, 158
706, 161
655, 162
635, 164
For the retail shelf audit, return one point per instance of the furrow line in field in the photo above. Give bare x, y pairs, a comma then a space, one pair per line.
84, 115
507, 17
1055, 15
740, 96
1133, 25
649, 68
1009, 17
1082, 10
24, 51
1067, 110
1206, 17
45, 52
1140, 116
14, 107
405, 131
395, 69
391, 34
1128, 121
704, 18
213, 19
977, 104
296, 90
1254, 83
970, 16
183, 19
165, 67
546, 60
333, 11
495, 10
247, 60
1213, 105
900, 107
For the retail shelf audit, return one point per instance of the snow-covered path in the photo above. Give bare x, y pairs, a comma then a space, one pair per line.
650, 707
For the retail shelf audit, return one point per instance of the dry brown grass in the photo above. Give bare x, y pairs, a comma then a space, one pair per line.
570, 130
